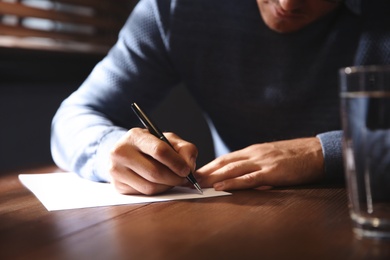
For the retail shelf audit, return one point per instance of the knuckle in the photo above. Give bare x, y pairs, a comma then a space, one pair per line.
186, 144
231, 167
134, 132
117, 152
111, 168
113, 171
149, 189
159, 149
134, 137
250, 180
220, 162
171, 135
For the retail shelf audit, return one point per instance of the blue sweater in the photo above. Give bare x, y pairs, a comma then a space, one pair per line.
253, 84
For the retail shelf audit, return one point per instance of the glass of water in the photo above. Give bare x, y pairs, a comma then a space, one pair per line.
365, 113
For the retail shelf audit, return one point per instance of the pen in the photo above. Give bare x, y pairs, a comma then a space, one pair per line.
156, 132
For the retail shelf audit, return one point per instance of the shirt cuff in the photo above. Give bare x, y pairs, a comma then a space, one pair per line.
331, 143
106, 144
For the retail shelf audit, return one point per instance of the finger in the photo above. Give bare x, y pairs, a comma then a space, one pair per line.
247, 181
222, 161
128, 182
124, 188
229, 171
143, 165
150, 169
187, 150
160, 151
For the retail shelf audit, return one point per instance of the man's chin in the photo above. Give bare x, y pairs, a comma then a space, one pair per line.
284, 27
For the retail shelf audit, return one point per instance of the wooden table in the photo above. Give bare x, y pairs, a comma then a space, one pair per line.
290, 223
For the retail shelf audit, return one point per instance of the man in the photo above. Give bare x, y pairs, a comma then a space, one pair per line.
264, 73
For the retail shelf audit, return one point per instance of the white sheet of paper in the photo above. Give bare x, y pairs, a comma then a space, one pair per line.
66, 190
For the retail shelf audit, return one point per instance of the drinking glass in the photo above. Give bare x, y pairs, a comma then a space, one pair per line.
365, 113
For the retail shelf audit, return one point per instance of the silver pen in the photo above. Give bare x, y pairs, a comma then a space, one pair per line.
156, 132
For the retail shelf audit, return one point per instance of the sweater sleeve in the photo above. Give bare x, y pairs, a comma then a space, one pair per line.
137, 69
331, 143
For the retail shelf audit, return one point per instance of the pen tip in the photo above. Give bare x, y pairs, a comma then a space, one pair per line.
198, 188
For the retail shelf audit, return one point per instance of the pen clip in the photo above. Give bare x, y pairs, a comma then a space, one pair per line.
145, 120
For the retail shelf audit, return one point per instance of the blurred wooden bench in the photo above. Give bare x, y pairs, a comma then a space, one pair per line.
65, 25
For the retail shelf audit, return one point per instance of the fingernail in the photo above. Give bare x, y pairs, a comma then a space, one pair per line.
218, 186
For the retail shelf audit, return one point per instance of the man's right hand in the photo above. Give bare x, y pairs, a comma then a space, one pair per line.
140, 163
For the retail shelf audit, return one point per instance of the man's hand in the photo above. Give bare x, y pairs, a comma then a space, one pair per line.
260, 166
140, 163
